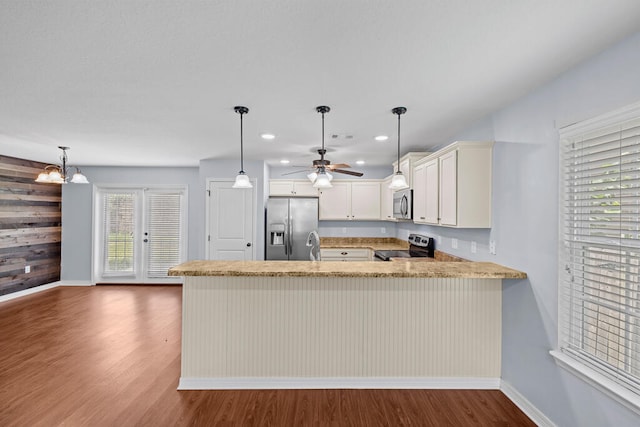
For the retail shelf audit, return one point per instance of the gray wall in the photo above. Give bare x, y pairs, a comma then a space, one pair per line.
525, 228
77, 212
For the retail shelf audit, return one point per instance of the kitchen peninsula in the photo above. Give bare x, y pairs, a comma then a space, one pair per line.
303, 324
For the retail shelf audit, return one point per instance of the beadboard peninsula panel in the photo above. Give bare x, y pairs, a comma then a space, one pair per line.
30, 226
274, 328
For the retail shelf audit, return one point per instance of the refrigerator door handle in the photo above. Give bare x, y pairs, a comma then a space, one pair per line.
286, 237
290, 232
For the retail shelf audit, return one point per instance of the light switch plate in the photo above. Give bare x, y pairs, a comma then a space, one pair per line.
474, 247
27, 269
454, 243
492, 247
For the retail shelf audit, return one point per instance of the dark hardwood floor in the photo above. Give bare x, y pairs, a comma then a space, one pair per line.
110, 356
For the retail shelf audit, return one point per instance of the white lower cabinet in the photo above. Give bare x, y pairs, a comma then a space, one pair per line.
452, 187
346, 254
350, 200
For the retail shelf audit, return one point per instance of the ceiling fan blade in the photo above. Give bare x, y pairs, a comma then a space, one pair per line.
338, 166
347, 172
293, 172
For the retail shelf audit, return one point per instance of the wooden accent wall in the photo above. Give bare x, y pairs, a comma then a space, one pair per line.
30, 226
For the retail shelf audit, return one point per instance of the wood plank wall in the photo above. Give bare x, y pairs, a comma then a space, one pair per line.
30, 226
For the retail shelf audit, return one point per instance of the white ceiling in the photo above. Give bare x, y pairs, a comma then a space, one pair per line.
154, 82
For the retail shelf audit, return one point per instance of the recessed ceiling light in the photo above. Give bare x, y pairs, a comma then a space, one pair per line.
268, 136
284, 161
359, 162
381, 138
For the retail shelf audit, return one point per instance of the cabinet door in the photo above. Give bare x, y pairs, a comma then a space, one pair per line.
431, 191
449, 188
386, 200
419, 193
365, 200
304, 188
405, 168
281, 188
335, 202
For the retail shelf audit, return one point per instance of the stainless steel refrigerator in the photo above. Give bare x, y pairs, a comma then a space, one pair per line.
289, 222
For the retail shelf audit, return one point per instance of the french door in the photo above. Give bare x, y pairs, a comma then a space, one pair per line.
139, 233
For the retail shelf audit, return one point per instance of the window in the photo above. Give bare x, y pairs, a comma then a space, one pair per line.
599, 280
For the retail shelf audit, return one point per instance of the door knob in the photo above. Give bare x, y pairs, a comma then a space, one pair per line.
248, 245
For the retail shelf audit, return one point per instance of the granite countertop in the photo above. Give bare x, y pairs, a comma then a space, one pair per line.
464, 270
373, 243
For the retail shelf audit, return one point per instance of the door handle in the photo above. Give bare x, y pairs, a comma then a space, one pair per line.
249, 244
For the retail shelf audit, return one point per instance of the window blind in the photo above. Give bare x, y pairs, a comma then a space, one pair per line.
119, 226
599, 289
164, 227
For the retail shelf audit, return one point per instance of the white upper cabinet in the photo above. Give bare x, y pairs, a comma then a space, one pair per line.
419, 192
386, 200
350, 200
407, 163
452, 187
292, 188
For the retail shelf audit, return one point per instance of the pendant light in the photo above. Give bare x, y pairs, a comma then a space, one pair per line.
58, 174
398, 182
242, 180
323, 179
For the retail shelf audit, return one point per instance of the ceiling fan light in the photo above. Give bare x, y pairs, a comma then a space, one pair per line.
322, 181
242, 181
329, 176
312, 176
398, 182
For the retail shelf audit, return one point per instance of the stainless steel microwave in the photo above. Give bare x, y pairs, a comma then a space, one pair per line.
403, 204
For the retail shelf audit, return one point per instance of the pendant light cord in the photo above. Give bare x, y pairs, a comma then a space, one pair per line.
241, 147
398, 171
242, 111
399, 111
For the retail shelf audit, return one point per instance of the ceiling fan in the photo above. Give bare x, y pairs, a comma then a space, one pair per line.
322, 165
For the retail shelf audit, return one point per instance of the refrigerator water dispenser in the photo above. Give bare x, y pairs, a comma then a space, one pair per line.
277, 234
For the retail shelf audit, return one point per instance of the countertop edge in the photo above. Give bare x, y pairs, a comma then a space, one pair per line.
362, 269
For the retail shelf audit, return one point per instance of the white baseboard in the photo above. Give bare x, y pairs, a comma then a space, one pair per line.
76, 283
252, 383
29, 291
525, 406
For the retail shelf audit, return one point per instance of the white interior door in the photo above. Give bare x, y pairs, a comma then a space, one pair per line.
231, 222
139, 234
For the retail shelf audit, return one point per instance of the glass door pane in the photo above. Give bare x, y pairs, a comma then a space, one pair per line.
119, 233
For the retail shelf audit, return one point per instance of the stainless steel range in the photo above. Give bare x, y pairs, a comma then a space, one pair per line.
419, 246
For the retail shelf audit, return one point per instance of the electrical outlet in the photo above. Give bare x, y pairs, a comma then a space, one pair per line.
344, 230
383, 230
454, 243
439, 240
474, 247
27, 269
492, 247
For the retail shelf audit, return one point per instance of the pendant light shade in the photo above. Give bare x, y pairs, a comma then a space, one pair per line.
54, 174
242, 180
398, 182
